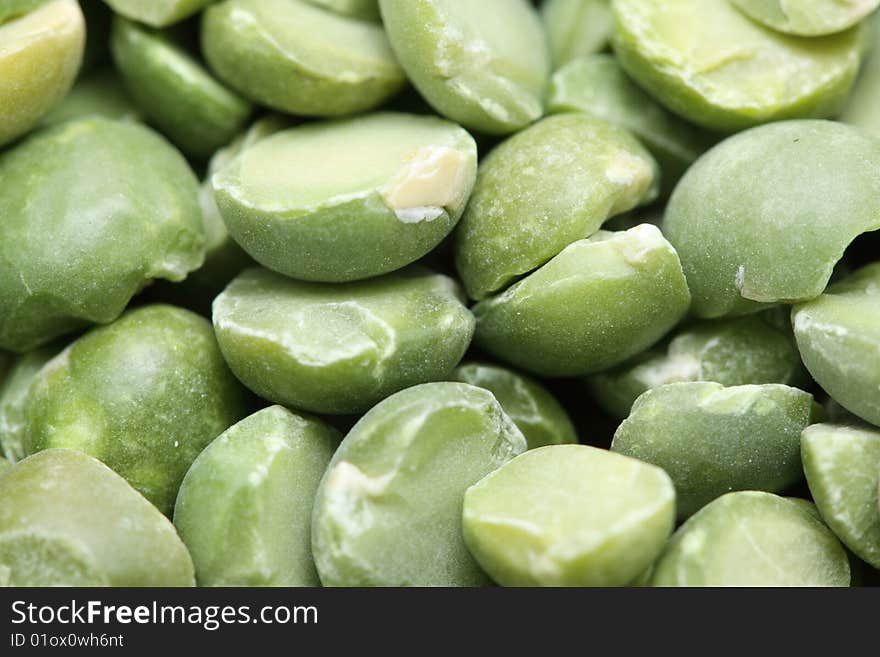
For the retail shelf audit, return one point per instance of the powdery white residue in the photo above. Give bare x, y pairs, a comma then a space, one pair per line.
349, 480
418, 215
430, 179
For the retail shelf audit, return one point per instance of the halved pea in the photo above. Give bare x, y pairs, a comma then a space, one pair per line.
388, 510
713, 440
157, 13
533, 409
731, 352
576, 28
706, 61
599, 302
344, 200
842, 464
759, 219
13, 397
298, 58
807, 17
68, 520
751, 538
569, 515
175, 91
838, 335
856, 565
144, 394
364, 9
598, 86
483, 64
93, 210
544, 188
340, 348
41, 49
245, 506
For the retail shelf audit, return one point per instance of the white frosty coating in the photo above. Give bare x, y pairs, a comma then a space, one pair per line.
552, 549
638, 242
691, 551
677, 367
831, 453
804, 322
258, 475
739, 281
628, 169
531, 413
273, 446
431, 179
358, 343
469, 77
350, 481
52, 17
560, 552
417, 215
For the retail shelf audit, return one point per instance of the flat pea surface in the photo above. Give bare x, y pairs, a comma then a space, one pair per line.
294, 57
712, 439
388, 511
40, 54
747, 240
597, 303
569, 515
807, 17
245, 506
337, 159
68, 520
709, 63
341, 348
542, 189
842, 464
354, 198
483, 64
838, 335
751, 538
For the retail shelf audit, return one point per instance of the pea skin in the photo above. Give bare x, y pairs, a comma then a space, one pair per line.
439, 293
